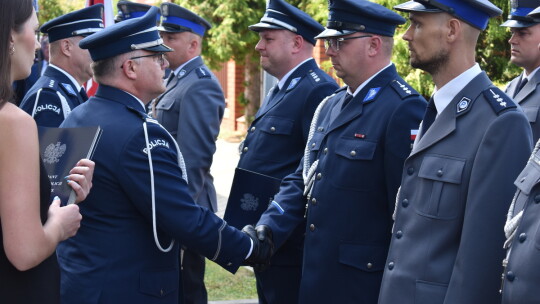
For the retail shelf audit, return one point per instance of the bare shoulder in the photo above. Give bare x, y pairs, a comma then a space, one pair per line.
17, 126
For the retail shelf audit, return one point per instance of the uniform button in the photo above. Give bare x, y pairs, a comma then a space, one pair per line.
522, 237
319, 175
320, 129
410, 170
510, 276
313, 145
325, 151
353, 153
312, 227
439, 173
369, 265
245, 149
252, 129
273, 129
161, 292
390, 265
229, 264
399, 234
537, 199
314, 201
405, 203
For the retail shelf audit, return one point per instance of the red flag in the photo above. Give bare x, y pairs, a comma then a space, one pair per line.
108, 19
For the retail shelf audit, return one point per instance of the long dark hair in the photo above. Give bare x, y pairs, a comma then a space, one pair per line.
13, 14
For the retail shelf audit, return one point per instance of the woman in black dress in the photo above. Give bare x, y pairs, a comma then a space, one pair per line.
31, 226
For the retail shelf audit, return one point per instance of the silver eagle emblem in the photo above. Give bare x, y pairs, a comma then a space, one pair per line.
53, 152
249, 202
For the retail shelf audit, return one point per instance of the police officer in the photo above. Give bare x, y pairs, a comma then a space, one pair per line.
520, 278
457, 182
191, 109
350, 173
524, 53
140, 210
59, 90
128, 10
275, 142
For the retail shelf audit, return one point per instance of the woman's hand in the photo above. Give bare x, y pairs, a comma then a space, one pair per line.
80, 178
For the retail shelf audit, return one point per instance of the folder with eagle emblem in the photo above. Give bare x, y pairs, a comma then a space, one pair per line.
60, 149
251, 193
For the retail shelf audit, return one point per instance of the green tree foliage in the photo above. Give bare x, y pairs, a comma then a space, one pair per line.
49, 9
492, 52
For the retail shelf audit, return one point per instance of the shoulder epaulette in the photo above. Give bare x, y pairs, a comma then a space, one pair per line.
51, 85
403, 89
498, 100
203, 73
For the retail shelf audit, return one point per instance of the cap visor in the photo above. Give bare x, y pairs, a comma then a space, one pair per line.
333, 33
413, 6
168, 29
517, 23
262, 26
159, 48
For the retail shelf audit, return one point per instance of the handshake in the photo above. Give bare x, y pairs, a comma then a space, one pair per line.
263, 246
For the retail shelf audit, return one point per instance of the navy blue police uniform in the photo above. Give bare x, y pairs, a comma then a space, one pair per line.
350, 173
457, 185
191, 109
139, 203
275, 141
55, 94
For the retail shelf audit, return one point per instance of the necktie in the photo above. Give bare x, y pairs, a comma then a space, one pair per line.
348, 98
521, 84
83, 94
270, 99
171, 77
429, 116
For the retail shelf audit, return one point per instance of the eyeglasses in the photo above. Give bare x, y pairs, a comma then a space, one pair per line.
160, 57
335, 43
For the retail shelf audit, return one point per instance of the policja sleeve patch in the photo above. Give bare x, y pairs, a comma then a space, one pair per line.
498, 100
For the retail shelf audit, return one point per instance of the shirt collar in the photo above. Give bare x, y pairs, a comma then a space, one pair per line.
530, 75
282, 81
443, 96
183, 65
360, 87
73, 81
140, 102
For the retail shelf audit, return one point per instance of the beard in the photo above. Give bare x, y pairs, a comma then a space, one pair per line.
431, 65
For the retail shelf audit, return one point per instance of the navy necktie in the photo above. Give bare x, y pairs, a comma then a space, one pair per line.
348, 98
83, 94
520, 86
429, 116
171, 77
270, 99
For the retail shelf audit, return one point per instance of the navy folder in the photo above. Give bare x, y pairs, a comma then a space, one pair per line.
60, 149
251, 193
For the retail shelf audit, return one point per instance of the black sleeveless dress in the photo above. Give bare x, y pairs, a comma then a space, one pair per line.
40, 284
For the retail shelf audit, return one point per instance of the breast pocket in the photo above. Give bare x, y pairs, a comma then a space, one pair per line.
531, 113
440, 193
353, 158
167, 114
274, 137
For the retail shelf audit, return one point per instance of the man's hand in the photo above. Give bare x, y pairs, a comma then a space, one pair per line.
263, 246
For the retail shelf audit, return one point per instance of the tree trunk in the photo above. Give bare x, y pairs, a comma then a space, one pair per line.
252, 90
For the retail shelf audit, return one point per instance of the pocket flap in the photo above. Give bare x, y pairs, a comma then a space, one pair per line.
159, 283
356, 149
363, 257
528, 177
531, 113
442, 168
276, 125
165, 104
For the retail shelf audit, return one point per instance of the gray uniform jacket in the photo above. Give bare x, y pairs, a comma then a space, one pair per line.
521, 277
455, 191
191, 110
529, 100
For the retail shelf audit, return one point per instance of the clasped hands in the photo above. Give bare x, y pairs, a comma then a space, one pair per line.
263, 246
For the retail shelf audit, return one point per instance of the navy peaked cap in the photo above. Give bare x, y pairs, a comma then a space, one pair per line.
519, 9
349, 16
82, 22
134, 34
128, 10
283, 16
474, 12
177, 19
535, 14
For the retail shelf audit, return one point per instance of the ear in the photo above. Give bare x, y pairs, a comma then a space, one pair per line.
129, 68
298, 43
66, 47
374, 45
454, 29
